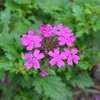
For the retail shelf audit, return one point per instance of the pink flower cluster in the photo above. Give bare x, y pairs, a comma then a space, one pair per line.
50, 46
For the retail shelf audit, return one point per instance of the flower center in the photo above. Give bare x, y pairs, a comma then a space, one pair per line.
56, 57
32, 42
66, 40
63, 32
70, 54
44, 31
33, 58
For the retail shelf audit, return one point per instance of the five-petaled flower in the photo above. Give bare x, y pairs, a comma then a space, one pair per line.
44, 73
57, 58
31, 40
71, 56
66, 39
45, 30
33, 59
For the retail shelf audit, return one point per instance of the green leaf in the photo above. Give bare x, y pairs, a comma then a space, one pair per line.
78, 13
52, 87
82, 81
2, 75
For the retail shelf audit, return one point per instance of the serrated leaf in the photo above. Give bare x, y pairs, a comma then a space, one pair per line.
78, 13
82, 81
52, 87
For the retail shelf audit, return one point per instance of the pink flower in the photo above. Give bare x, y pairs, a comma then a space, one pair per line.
43, 73
96, 67
44, 30
53, 30
32, 41
67, 40
63, 31
97, 97
71, 56
57, 58
5, 81
25, 37
33, 59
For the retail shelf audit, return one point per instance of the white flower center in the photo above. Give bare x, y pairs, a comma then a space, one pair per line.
70, 54
66, 40
63, 32
33, 58
32, 42
56, 57
43, 31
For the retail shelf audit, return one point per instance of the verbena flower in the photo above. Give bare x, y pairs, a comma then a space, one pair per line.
49, 47
66, 40
71, 56
81, 51
57, 58
96, 97
33, 59
96, 67
44, 30
5, 81
44, 73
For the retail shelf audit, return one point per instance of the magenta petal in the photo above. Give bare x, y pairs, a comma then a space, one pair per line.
28, 56
36, 52
39, 31
36, 64
25, 42
69, 43
66, 50
60, 26
30, 47
75, 61
37, 44
50, 53
62, 40
41, 26
56, 51
52, 61
28, 64
40, 56
60, 63
30, 32
73, 38
76, 57
66, 29
69, 61
62, 56
48, 27
74, 51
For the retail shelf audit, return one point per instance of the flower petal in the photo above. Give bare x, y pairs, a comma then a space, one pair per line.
66, 51
28, 64
60, 26
62, 56
28, 56
36, 64
69, 61
69, 43
50, 53
62, 40
48, 27
74, 51
52, 61
30, 32
36, 53
25, 42
56, 51
73, 38
41, 26
40, 56
39, 31
30, 47
60, 63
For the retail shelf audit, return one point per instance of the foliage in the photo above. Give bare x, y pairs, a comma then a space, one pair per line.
19, 16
